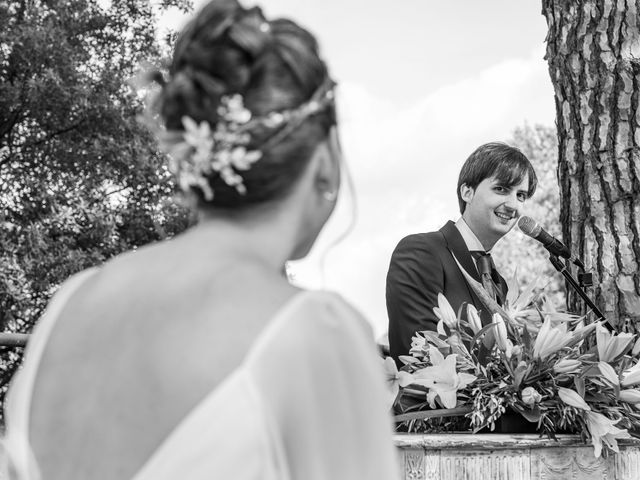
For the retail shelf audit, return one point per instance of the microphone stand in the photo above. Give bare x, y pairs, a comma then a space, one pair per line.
562, 268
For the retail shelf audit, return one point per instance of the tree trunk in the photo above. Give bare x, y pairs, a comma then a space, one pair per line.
593, 51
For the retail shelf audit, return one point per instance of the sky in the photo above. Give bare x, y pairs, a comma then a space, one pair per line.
422, 83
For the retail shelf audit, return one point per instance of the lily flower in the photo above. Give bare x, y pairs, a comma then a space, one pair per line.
473, 318
573, 398
435, 356
418, 344
550, 339
630, 396
581, 331
516, 302
631, 376
445, 313
610, 346
609, 373
406, 359
442, 378
395, 380
602, 429
567, 365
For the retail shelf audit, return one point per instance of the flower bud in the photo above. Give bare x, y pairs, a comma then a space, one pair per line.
567, 365
473, 318
572, 398
630, 396
445, 313
500, 332
508, 351
530, 396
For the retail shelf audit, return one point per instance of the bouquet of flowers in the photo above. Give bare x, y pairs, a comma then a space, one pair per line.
557, 372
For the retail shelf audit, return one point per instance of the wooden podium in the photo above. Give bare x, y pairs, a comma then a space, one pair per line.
512, 457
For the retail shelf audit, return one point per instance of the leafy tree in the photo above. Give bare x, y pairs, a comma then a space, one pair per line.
80, 178
540, 144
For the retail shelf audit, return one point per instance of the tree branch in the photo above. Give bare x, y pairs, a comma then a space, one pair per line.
54, 134
5, 127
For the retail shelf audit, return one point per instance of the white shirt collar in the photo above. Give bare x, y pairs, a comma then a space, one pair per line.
470, 239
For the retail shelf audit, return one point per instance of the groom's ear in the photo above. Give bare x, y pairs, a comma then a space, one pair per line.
466, 192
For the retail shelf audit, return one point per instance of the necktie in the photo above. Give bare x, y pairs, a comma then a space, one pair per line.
488, 275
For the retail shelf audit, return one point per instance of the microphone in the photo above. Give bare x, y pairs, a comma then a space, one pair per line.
530, 227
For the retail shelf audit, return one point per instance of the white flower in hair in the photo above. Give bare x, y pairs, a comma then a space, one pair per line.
232, 109
199, 137
242, 160
197, 152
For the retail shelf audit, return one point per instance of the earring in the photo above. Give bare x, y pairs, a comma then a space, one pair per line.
330, 196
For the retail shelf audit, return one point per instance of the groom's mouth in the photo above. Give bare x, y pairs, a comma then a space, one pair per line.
505, 216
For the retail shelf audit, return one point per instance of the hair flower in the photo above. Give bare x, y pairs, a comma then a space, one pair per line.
198, 151
199, 138
202, 151
242, 160
232, 109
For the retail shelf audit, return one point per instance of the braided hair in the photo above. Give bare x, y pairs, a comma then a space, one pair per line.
227, 49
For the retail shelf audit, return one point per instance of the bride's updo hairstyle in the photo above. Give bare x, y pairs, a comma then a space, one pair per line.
272, 67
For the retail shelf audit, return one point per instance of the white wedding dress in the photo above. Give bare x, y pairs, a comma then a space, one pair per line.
308, 403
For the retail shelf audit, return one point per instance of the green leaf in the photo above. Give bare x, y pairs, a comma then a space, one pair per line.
481, 332
526, 339
580, 386
532, 415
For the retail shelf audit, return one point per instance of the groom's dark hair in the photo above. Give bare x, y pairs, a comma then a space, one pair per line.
508, 164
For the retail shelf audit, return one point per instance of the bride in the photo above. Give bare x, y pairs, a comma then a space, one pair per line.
194, 358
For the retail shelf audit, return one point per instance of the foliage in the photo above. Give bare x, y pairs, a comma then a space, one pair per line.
80, 177
549, 367
540, 144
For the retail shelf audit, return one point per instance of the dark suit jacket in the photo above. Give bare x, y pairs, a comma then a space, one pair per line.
422, 265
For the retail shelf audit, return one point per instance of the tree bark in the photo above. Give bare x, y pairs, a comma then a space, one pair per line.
593, 52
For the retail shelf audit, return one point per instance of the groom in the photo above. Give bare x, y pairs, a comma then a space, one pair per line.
493, 185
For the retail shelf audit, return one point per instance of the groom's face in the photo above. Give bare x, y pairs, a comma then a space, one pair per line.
493, 208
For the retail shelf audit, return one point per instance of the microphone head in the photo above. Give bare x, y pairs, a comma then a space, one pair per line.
529, 226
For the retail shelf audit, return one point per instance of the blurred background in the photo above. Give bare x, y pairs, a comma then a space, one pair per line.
421, 85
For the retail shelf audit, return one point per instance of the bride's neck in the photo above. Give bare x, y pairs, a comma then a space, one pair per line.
268, 241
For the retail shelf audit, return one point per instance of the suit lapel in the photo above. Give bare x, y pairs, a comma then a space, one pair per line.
456, 244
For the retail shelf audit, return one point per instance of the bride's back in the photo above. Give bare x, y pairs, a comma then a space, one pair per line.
137, 346
246, 114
